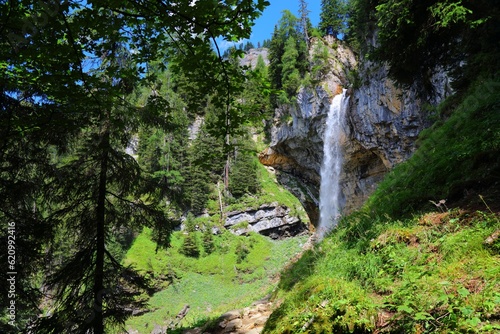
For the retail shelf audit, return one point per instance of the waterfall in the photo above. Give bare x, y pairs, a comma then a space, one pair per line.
330, 195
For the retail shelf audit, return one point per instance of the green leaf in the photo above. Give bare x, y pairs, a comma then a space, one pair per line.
474, 322
405, 308
466, 311
463, 292
423, 316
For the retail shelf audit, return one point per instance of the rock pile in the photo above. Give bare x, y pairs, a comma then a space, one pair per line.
250, 320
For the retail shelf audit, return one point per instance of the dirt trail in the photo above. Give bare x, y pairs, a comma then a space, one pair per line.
250, 320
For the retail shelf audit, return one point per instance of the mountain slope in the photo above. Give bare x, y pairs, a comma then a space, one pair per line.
402, 264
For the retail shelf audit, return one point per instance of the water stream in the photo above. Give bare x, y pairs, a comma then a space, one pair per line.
330, 195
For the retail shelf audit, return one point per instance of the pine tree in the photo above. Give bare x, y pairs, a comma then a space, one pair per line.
244, 176
289, 27
249, 45
256, 95
290, 72
66, 118
304, 20
208, 241
92, 208
333, 17
190, 246
163, 152
276, 48
244, 179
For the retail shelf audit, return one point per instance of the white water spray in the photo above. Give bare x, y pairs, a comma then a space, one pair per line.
330, 195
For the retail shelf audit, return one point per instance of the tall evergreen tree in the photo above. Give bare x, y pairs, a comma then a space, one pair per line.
190, 245
244, 178
207, 159
90, 289
290, 73
208, 241
162, 152
289, 26
256, 95
276, 49
65, 78
333, 17
304, 20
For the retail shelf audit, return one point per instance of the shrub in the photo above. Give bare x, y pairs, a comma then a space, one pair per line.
190, 245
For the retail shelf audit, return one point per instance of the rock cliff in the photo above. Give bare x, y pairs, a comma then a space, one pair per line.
251, 57
383, 122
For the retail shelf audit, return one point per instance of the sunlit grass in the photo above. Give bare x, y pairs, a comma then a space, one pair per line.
211, 284
434, 278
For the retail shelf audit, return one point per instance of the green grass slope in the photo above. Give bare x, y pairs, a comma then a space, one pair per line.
402, 264
431, 274
239, 271
456, 157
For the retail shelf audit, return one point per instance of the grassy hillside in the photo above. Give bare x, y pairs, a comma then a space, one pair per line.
239, 271
403, 264
432, 273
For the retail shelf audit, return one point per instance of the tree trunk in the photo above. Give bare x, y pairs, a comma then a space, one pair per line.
100, 238
303, 18
220, 201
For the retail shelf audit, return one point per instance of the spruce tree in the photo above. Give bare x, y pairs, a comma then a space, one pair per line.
256, 95
333, 17
190, 245
244, 178
66, 119
208, 241
289, 27
93, 207
304, 20
290, 72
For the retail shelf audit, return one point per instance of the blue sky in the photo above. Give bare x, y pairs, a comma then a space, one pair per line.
264, 25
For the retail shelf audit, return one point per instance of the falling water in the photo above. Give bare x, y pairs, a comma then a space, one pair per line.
330, 196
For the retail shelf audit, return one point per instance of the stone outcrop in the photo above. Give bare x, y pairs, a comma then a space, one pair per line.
252, 55
250, 320
383, 122
273, 220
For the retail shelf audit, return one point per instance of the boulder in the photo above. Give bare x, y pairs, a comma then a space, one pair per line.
273, 220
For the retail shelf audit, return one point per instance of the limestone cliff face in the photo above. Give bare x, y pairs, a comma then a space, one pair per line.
252, 56
383, 122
